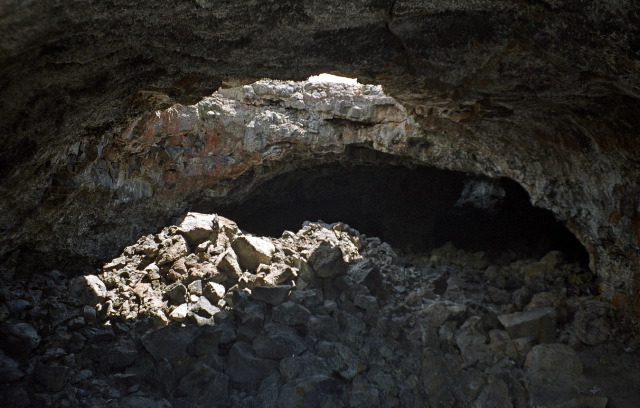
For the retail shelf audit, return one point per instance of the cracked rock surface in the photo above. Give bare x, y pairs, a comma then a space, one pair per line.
330, 318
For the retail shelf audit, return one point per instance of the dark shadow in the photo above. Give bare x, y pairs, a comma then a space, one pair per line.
414, 209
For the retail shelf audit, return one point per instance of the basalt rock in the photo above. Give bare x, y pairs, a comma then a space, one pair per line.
104, 139
385, 331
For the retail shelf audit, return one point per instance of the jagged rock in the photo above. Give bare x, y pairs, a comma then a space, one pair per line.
340, 359
291, 314
180, 313
228, 264
53, 377
591, 323
204, 307
244, 366
169, 343
205, 271
18, 339
9, 369
278, 342
317, 390
555, 375
539, 324
327, 261
436, 313
177, 248
202, 387
88, 289
273, 295
177, 292
213, 292
252, 251
197, 228
304, 365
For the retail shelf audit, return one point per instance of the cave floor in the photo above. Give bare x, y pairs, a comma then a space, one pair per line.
204, 314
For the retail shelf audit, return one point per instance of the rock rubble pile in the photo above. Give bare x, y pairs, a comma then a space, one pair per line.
203, 314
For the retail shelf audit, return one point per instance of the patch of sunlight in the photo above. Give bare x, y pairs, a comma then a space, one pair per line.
324, 78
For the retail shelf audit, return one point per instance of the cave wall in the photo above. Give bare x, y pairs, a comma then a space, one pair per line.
543, 92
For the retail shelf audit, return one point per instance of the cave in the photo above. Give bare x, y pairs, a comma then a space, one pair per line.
475, 163
415, 209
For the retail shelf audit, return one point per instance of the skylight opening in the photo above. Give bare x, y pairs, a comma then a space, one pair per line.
334, 79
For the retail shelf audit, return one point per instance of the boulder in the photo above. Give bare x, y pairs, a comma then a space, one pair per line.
176, 248
539, 324
327, 260
278, 342
244, 366
88, 289
213, 292
253, 251
273, 295
197, 228
18, 340
290, 314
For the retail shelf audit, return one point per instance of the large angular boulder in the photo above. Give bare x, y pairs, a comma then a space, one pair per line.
253, 251
197, 228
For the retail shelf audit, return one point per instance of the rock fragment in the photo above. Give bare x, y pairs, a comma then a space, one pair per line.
539, 324
197, 228
327, 261
253, 251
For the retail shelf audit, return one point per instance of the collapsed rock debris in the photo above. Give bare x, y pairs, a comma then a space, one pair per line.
203, 314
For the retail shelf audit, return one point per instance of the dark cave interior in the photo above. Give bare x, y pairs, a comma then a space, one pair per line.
414, 209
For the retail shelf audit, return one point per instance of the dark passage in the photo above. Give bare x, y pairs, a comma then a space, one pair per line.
412, 209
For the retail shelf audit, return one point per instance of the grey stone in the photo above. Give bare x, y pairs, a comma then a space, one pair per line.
341, 359
88, 289
546, 361
273, 295
327, 260
203, 386
367, 302
177, 292
252, 251
312, 391
291, 314
539, 324
18, 339
177, 248
324, 327
436, 313
244, 366
169, 343
310, 298
53, 377
252, 314
554, 373
9, 369
278, 342
213, 292
304, 365
195, 287
228, 264
180, 313
495, 394
197, 228
204, 307
591, 323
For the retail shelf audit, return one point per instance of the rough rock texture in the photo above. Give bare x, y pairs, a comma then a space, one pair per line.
424, 330
543, 92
